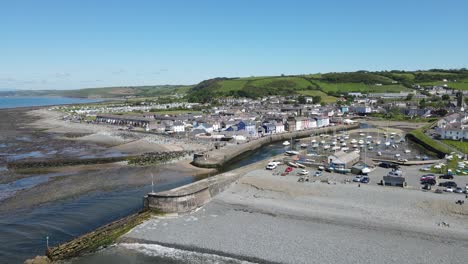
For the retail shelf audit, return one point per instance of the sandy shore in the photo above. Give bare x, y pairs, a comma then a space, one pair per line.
41, 133
276, 219
121, 140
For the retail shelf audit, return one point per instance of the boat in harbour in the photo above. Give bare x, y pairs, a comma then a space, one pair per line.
286, 143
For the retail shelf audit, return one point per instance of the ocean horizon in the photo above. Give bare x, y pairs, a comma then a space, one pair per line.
26, 101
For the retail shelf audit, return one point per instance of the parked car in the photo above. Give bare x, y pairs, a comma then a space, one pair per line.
318, 173
438, 191
388, 165
446, 176
448, 184
357, 178
429, 180
458, 190
271, 166
288, 169
425, 168
303, 172
365, 179
426, 187
427, 176
449, 189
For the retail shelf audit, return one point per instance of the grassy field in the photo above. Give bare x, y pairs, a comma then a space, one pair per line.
325, 98
360, 87
232, 85
298, 83
459, 85
420, 135
461, 146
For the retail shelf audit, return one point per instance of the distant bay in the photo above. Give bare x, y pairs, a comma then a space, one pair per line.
13, 101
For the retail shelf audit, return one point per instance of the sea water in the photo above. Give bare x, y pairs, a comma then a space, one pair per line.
13, 101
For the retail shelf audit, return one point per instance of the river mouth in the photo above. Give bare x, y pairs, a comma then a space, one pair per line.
66, 219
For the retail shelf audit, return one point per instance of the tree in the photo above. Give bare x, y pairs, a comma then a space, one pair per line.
422, 103
409, 97
301, 99
316, 99
445, 97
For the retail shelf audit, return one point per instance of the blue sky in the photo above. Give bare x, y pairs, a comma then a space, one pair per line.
86, 43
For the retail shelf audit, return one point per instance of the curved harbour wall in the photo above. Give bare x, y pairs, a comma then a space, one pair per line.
219, 158
190, 197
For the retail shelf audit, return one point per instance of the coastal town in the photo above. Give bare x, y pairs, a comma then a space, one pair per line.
382, 144
234, 132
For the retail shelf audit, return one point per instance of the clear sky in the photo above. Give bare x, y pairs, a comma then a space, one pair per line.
67, 44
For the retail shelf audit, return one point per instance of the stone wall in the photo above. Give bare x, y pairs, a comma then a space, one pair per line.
190, 197
218, 158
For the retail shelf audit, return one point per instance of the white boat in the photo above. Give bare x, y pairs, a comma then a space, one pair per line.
365, 170
371, 148
291, 153
379, 153
355, 146
346, 137
322, 142
326, 147
369, 137
286, 143
362, 134
378, 142
316, 145
304, 145
368, 142
333, 143
336, 148
313, 141
387, 143
397, 155
357, 151
343, 144
361, 142
353, 141
407, 151
345, 149
300, 165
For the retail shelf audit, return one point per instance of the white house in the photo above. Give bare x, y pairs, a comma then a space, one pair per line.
279, 127
178, 127
299, 123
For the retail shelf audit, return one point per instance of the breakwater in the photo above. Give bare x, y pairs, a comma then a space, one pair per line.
192, 196
220, 157
100, 237
144, 159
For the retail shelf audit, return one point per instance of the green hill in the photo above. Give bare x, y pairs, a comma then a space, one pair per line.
328, 85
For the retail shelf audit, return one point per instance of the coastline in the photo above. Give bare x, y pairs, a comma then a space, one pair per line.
263, 211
